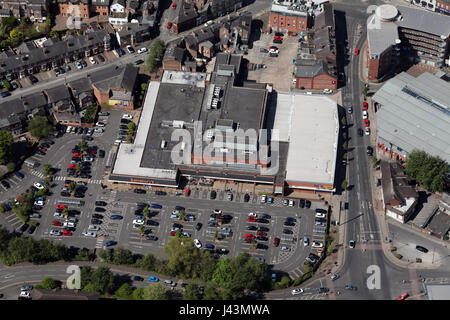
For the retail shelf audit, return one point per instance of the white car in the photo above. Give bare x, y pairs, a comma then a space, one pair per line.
197, 243
305, 241
54, 232
364, 114
252, 214
210, 22
130, 49
138, 221
127, 116
263, 199
320, 215
284, 248
297, 291
69, 224
38, 185
39, 203
327, 91
317, 244
273, 50
186, 234
141, 50
78, 64
351, 244
99, 130
90, 234
217, 211
291, 203
92, 227
175, 214
334, 277
69, 129
58, 215
25, 294
91, 59
100, 124
367, 131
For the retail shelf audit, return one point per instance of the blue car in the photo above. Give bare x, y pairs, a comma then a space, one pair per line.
270, 200
116, 217
109, 243
209, 246
156, 206
153, 279
5, 94
120, 51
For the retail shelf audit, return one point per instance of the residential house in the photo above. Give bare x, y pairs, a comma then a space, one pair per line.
36, 10
115, 86
174, 58
149, 13
118, 15
314, 74
68, 118
184, 17
75, 8
399, 196
133, 33
83, 93
59, 99
12, 116
193, 40
35, 104
100, 7
132, 7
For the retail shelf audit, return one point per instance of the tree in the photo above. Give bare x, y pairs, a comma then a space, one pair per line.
138, 294
182, 215
72, 186
83, 144
345, 145
344, 121
6, 143
124, 292
49, 284
54, 34
155, 291
103, 280
39, 127
145, 212
48, 169
430, 171
129, 138
122, 256
7, 85
344, 185
374, 162
365, 90
147, 262
11, 166
142, 230
192, 292
155, 55
131, 127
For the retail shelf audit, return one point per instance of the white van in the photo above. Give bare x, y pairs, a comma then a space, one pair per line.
30, 163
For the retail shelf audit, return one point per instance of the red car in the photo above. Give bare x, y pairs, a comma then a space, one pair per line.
366, 122
77, 155
56, 223
187, 192
174, 6
72, 166
60, 206
169, 25
67, 233
403, 296
273, 47
356, 52
68, 182
277, 38
290, 33
276, 242
249, 236
365, 105
261, 233
251, 219
172, 233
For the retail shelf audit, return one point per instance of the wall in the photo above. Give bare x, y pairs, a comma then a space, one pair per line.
281, 22
319, 82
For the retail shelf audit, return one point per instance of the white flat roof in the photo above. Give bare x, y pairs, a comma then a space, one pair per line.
184, 77
313, 137
129, 155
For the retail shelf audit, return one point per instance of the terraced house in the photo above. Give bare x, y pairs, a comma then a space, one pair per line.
30, 58
36, 10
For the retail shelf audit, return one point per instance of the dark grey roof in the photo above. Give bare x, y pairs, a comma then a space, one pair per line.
57, 93
133, 4
184, 12
121, 2
310, 71
424, 20
80, 85
174, 53
133, 29
14, 106
112, 78
33, 101
100, 2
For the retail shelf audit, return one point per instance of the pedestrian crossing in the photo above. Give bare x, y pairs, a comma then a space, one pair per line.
99, 243
37, 173
90, 181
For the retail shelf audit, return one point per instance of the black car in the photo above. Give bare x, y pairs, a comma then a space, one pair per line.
277, 41
260, 220
33, 79
180, 208
319, 210
140, 191
261, 246
198, 226
177, 225
302, 203
97, 216
360, 132
96, 221
160, 193
289, 224
323, 290
85, 175
369, 150
265, 216
123, 127
246, 197
152, 223
101, 153
100, 58
287, 231
100, 203
99, 209
125, 121
36, 207
69, 229
31, 230
24, 227
213, 195
253, 228
79, 195
291, 219
42, 153
6, 184
136, 278
65, 194
279, 34
261, 228
138, 62
422, 249
227, 217
308, 204
262, 238
19, 174
154, 238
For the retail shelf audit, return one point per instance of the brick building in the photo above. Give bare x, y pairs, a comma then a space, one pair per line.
100, 7
36, 10
77, 8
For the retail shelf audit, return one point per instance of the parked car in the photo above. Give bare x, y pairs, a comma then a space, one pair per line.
116, 217
142, 50
130, 49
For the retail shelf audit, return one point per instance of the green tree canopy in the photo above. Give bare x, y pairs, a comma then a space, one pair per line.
124, 292
430, 171
155, 291
122, 256
6, 143
192, 292
39, 127
103, 280
83, 144
49, 284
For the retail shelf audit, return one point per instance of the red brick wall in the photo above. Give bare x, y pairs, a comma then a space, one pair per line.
280, 23
83, 10
100, 10
300, 185
172, 65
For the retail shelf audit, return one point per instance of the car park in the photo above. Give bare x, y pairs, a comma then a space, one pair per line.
323, 290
